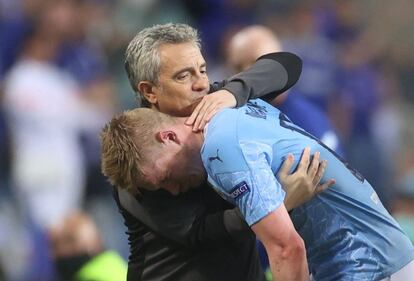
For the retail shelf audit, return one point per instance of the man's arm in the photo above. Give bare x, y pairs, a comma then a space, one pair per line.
202, 219
284, 247
244, 176
300, 186
271, 75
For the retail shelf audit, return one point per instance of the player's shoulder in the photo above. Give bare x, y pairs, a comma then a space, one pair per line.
221, 150
258, 108
222, 153
256, 114
235, 118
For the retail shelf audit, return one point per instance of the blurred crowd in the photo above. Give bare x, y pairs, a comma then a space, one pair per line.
62, 77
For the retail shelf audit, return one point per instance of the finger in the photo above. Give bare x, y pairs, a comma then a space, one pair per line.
324, 186
190, 120
200, 117
201, 125
286, 166
304, 160
314, 165
207, 117
211, 113
320, 172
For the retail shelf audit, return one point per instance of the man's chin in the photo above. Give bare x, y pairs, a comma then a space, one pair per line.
186, 111
190, 108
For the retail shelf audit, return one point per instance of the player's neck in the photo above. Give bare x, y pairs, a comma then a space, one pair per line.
187, 135
194, 139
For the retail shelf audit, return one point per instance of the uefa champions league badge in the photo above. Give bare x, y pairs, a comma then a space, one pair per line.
239, 190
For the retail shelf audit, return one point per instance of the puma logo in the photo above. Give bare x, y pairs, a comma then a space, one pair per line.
215, 157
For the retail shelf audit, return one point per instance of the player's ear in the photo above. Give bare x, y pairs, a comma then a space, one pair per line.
167, 136
147, 90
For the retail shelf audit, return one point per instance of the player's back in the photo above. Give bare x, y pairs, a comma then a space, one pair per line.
347, 232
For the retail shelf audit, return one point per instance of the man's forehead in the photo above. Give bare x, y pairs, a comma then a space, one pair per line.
180, 55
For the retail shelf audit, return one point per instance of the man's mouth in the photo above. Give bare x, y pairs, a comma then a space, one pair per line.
195, 102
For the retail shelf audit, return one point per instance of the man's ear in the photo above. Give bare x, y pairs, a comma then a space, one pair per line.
146, 88
167, 137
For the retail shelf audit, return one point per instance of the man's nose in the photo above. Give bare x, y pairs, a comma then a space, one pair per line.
200, 83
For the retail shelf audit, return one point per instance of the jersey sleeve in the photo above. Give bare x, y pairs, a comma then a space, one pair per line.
271, 75
250, 183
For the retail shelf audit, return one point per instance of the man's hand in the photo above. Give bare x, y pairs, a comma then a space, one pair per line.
208, 106
304, 183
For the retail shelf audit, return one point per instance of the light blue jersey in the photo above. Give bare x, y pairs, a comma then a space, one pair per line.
347, 232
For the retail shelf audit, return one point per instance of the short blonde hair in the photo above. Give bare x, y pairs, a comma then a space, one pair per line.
127, 144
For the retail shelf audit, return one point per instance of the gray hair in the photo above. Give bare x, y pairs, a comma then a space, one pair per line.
142, 59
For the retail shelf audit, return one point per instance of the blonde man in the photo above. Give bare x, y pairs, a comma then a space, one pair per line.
348, 233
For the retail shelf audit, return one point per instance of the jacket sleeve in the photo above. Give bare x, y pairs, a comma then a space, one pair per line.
213, 230
271, 75
197, 220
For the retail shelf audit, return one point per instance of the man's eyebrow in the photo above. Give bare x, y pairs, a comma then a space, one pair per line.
188, 68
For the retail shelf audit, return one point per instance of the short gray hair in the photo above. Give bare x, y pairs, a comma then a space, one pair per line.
142, 59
